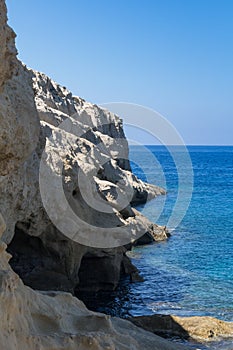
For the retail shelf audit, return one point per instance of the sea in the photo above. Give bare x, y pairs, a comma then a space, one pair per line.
192, 272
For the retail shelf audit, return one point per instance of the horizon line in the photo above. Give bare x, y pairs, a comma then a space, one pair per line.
186, 145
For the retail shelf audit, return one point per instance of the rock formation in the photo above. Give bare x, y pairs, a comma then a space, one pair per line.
42, 255
198, 328
46, 320
32, 320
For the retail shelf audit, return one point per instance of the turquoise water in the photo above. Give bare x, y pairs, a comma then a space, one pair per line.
191, 273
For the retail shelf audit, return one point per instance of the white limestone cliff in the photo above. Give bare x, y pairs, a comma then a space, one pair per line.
97, 147
47, 320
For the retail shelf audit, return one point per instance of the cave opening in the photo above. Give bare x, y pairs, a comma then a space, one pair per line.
98, 273
103, 285
36, 265
99, 289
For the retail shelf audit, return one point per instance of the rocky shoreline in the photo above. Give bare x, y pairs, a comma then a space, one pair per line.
43, 256
34, 253
198, 328
54, 319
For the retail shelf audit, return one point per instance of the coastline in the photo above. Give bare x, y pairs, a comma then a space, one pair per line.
52, 318
46, 265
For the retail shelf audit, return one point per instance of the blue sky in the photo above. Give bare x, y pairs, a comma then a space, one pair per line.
175, 56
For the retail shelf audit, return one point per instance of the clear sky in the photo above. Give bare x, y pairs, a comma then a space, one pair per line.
175, 56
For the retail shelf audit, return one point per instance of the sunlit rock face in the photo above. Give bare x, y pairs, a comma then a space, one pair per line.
29, 319
38, 116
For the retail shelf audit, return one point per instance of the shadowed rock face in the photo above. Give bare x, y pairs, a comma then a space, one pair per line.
21, 124
32, 320
8, 50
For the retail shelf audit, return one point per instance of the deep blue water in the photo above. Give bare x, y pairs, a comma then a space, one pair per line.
191, 273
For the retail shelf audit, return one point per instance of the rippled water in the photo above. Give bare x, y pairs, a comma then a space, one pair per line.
192, 273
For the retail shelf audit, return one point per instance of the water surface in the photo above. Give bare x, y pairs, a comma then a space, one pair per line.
192, 273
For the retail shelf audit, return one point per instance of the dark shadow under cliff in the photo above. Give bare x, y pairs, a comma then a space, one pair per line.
42, 268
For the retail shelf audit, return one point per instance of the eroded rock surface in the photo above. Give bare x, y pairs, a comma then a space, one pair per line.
19, 128
81, 138
29, 319
32, 320
32, 109
198, 328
